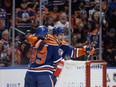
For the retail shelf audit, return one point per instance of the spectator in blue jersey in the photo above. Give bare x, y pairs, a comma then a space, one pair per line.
24, 18
112, 19
46, 53
3, 20
4, 16
7, 5
112, 5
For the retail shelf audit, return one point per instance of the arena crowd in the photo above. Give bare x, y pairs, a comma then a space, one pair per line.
85, 26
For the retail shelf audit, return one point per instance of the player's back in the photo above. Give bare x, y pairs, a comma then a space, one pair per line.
46, 57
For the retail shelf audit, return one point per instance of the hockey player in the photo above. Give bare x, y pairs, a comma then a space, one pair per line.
68, 51
46, 53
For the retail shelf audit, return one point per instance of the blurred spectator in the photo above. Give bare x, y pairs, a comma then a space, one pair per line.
81, 39
59, 3
6, 50
66, 8
112, 19
84, 15
49, 21
44, 14
7, 14
78, 22
105, 30
54, 13
18, 54
109, 53
95, 17
79, 30
112, 6
73, 40
93, 35
25, 42
82, 6
104, 5
96, 8
74, 5
33, 4
1, 28
7, 5
83, 19
79, 7
64, 23
24, 18
1, 53
4, 18
110, 38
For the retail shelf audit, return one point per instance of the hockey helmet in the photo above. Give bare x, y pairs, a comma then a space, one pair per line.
41, 32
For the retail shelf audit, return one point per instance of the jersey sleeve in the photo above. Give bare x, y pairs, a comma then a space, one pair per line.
32, 40
67, 51
57, 54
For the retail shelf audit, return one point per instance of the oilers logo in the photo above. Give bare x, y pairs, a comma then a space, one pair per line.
45, 2
25, 16
60, 52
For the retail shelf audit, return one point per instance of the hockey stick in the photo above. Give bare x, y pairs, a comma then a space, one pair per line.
19, 30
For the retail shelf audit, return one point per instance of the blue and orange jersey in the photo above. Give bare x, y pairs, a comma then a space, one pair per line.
32, 39
51, 40
46, 58
78, 52
69, 51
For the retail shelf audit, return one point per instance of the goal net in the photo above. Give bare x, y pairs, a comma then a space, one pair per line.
82, 74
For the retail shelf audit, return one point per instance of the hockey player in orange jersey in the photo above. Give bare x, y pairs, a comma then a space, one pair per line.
68, 51
72, 52
44, 54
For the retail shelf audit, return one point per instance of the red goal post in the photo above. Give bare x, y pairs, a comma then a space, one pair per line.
92, 68
82, 74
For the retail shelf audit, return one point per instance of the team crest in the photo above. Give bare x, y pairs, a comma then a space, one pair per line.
25, 15
60, 52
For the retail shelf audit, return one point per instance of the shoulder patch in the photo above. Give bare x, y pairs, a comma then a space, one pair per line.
60, 52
